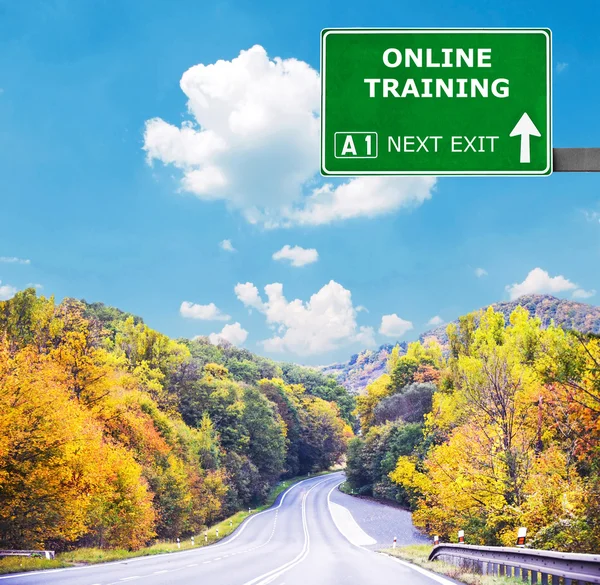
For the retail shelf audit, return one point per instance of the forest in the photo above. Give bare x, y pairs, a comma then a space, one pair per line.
498, 431
114, 435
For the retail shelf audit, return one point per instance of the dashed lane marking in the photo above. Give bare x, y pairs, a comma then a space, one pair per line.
225, 541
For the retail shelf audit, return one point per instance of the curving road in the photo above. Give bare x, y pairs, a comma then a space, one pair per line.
297, 541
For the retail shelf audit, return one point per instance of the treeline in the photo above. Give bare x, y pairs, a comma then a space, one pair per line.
502, 432
112, 434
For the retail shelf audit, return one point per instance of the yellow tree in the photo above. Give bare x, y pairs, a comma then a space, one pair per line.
487, 475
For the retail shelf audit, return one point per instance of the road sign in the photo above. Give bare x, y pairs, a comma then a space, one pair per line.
436, 102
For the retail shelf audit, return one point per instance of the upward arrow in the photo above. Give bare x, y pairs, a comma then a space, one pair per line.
525, 128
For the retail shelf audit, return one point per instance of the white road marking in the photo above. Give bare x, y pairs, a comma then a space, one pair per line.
278, 571
160, 572
429, 574
226, 540
206, 562
193, 565
348, 526
130, 578
425, 572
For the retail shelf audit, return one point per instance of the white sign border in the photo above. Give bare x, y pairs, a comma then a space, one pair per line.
547, 32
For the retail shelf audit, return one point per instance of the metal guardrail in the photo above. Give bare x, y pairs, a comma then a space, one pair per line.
537, 566
47, 554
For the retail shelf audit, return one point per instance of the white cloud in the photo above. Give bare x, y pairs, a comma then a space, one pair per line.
435, 321
561, 66
34, 285
234, 334
583, 294
323, 323
249, 295
6, 291
208, 312
227, 246
479, 272
364, 196
394, 326
539, 281
14, 260
254, 143
297, 256
365, 336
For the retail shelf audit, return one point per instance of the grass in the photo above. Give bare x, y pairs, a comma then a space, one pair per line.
418, 554
21, 564
81, 556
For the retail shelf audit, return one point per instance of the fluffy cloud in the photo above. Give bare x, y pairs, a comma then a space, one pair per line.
323, 323
394, 326
208, 312
479, 272
6, 291
297, 256
539, 281
254, 143
583, 294
234, 334
435, 321
364, 196
227, 246
249, 295
14, 260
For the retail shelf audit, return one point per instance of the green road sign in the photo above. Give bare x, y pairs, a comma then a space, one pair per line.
436, 102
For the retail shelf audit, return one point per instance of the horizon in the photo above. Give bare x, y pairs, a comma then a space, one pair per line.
391, 343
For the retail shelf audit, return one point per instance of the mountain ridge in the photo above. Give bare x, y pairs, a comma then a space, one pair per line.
364, 367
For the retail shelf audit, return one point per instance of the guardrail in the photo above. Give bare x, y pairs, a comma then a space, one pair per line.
47, 554
527, 564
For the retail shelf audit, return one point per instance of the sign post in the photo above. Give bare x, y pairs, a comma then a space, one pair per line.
436, 102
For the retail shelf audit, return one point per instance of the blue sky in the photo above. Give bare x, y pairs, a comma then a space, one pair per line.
79, 200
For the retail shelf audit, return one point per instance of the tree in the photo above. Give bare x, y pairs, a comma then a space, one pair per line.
503, 458
375, 392
411, 404
372, 458
266, 436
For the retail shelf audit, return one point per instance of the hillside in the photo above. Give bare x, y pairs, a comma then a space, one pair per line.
114, 435
368, 365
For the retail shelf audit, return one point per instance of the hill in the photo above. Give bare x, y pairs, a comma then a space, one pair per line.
113, 434
368, 365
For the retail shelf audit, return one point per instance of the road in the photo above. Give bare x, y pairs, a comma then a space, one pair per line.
297, 541
383, 523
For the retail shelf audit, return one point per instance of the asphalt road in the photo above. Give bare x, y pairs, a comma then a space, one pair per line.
382, 522
296, 542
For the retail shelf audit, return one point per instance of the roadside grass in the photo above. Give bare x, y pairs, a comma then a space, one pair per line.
22, 564
82, 556
418, 554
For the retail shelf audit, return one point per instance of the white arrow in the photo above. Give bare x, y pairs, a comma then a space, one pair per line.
525, 128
